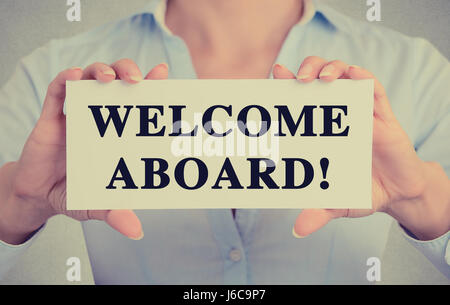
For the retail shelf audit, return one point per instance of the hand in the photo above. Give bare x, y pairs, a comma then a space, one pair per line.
37, 181
415, 193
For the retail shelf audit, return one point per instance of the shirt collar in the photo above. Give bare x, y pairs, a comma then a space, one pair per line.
328, 16
312, 10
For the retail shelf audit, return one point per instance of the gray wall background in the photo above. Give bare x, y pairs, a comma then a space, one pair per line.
27, 24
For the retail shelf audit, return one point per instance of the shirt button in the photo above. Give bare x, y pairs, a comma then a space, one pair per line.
235, 255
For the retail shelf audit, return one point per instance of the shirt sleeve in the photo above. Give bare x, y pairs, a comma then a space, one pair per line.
436, 250
430, 85
21, 100
10, 254
431, 89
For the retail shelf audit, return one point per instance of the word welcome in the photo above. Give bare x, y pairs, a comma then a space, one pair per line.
148, 118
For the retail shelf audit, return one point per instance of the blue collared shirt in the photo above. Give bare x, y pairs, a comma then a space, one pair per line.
257, 247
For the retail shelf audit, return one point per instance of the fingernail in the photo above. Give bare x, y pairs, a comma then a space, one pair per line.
305, 72
135, 78
327, 71
354, 67
164, 64
295, 234
76, 68
277, 66
108, 71
139, 237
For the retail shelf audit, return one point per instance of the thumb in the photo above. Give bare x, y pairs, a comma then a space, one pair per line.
160, 71
311, 220
382, 107
124, 221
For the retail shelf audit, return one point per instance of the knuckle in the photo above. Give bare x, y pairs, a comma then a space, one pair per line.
125, 61
311, 59
61, 75
52, 88
337, 63
97, 66
80, 215
57, 197
380, 92
20, 190
436, 165
49, 87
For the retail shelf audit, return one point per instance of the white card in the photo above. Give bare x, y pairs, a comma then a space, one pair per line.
244, 144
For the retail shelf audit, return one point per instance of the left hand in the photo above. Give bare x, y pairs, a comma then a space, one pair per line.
414, 192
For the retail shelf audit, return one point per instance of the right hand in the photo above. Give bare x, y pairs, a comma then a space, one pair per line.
36, 183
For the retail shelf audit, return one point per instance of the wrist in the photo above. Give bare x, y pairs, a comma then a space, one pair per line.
19, 217
426, 215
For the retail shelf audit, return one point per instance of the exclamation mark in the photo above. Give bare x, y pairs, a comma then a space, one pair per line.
324, 162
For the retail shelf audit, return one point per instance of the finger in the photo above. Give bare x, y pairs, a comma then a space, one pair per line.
56, 93
124, 221
281, 72
127, 70
100, 72
382, 108
311, 220
160, 71
333, 70
310, 68
355, 72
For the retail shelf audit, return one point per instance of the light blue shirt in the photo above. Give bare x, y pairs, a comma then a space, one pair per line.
209, 246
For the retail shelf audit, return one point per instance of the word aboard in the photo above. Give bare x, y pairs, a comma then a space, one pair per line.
176, 144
